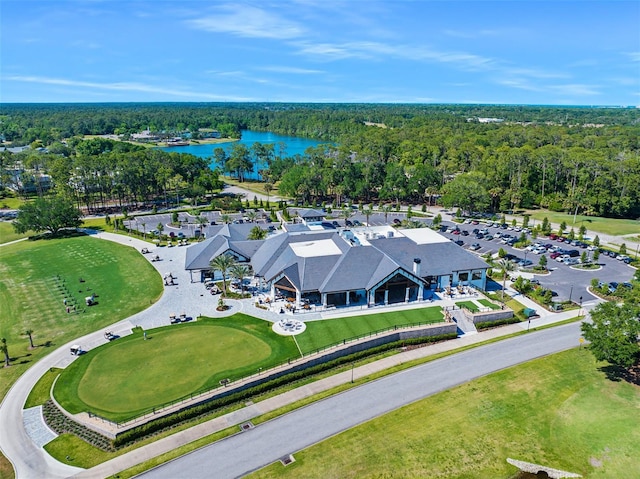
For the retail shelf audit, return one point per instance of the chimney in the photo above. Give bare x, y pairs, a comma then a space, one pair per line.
416, 266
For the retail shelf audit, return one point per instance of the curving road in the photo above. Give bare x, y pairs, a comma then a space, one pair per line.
245, 452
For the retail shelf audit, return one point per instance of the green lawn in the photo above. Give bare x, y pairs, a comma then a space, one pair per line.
320, 334
488, 304
130, 375
33, 278
559, 411
470, 305
8, 234
596, 224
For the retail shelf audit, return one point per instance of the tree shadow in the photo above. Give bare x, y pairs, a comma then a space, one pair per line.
618, 373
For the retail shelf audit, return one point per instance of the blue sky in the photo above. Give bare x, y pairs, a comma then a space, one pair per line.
515, 52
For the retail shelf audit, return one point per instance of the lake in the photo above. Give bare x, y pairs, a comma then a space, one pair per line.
284, 146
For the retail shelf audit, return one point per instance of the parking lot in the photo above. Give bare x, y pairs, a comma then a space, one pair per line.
566, 281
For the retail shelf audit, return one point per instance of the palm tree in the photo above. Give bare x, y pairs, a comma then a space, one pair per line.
431, 191
386, 209
5, 350
257, 233
252, 216
226, 219
267, 187
29, 333
345, 214
505, 266
367, 212
239, 271
223, 263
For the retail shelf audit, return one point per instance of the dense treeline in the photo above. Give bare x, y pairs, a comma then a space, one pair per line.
25, 123
101, 173
476, 157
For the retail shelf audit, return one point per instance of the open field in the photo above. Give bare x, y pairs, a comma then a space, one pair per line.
126, 377
611, 226
541, 412
35, 278
320, 334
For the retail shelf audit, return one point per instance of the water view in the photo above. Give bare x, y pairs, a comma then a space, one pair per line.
284, 146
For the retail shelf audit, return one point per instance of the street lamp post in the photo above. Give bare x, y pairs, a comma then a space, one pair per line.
570, 293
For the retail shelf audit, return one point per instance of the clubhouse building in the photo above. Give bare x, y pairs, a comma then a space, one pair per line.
342, 267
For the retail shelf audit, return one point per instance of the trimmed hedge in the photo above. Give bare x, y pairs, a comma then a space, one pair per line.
499, 322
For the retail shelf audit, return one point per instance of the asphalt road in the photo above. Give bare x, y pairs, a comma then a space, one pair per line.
250, 450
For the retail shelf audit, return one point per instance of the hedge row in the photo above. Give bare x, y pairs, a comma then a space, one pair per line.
498, 322
61, 424
167, 422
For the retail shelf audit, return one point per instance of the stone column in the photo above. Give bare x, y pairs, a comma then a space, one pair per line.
347, 298
406, 295
386, 296
324, 299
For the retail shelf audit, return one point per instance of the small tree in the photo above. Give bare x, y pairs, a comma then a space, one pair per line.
581, 232
345, 214
514, 222
160, 228
175, 218
572, 234
502, 253
525, 221
29, 333
436, 221
239, 271
367, 212
584, 258
546, 226
613, 333
596, 241
5, 350
623, 248
596, 255
543, 261
563, 226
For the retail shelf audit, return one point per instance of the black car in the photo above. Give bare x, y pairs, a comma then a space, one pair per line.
573, 253
464, 233
479, 236
459, 242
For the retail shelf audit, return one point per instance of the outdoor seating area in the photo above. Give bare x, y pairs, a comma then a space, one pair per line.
458, 292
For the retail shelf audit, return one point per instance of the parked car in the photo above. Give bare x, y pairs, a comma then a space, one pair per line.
464, 233
459, 242
475, 246
613, 285
571, 261
479, 236
525, 262
553, 236
488, 237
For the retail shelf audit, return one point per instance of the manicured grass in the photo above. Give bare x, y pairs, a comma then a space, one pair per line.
41, 392
131, 375
541, 412
6, 469
8, 234
320, 334
488, 304
597, 224
11, 202
470, 305
31, 295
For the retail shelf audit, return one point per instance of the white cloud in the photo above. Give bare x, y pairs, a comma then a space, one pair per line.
248, 21
634, 56
293, 70
376, 50
574, 89
125, 87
